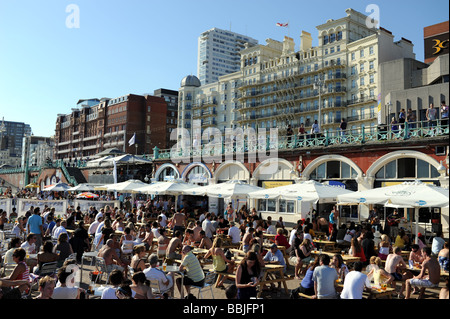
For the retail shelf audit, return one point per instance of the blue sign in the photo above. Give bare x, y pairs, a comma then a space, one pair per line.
299, 198
336, 184
421, 202
362, 200
266, 196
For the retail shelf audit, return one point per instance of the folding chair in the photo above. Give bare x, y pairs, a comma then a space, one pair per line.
8, 268
100, 264
47, 269
156, 289
210, 279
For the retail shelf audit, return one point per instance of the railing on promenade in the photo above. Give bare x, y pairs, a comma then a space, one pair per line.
381, 133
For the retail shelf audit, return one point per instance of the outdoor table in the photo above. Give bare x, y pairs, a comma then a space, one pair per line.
98, 289
348, 259
272, 268
176, 270
270, 238
326, 244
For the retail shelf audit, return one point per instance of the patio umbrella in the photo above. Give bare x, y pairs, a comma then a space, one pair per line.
129, 186
414, 194
59, 187
310, 191
231, 189
32, 185
87, 195
174, 188
84, 187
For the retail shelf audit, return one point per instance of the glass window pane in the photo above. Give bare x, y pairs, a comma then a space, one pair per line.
321, 171
423, 169
333, 169
345, 170
406, 168
290, 206
391, 169
262, 204
434, 172
282, 208
380, 173
271, 205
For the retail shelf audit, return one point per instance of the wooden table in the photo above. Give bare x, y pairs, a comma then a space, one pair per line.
347, 258
326, 244
272, 268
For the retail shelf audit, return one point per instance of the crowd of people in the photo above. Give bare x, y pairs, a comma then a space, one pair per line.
135, 239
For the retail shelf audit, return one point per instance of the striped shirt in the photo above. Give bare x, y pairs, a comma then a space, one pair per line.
26, 274
194, 269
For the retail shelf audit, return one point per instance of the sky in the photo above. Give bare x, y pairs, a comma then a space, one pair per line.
49, 60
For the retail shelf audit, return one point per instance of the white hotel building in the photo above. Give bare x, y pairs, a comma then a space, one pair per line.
275, 85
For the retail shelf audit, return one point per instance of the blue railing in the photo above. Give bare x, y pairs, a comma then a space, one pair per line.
380, 134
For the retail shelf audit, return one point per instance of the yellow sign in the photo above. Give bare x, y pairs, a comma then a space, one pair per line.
440, 45
384, 184
275, 184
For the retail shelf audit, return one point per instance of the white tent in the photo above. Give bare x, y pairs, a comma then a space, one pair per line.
165, 188
414, 194
129, 186
84, 187
310, 191
173, 188
230, 189
58, 187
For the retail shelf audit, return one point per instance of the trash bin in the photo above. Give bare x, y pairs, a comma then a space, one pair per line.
381, 131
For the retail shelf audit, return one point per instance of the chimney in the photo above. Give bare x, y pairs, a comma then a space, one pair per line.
305, 41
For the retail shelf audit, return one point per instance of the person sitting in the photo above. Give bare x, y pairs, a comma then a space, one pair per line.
46, 288
356, 250
65, 291
63, 248
163, 242
138, 260
341, 268
402, 240
281, 240
307, 284
275, 256
21, 270
174, 246
247, 274
355, 282
429, 276
416, 254
45, 256
194, 273
205, 242
324, 278
115, 279
438, 243
384, 248
300, 254
154, 273
443, 257
377, 272
140, 286
396, 266
112, 260
220, 262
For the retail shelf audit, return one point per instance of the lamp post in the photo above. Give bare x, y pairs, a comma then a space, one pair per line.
318, 84
388, 105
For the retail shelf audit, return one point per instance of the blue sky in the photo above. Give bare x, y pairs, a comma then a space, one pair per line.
137, 46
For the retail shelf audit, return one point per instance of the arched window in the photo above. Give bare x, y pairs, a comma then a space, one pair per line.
407, 168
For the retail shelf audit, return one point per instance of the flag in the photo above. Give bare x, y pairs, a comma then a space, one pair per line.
132, 140
282, 24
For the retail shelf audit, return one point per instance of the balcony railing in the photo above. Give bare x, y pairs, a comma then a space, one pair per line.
380, 134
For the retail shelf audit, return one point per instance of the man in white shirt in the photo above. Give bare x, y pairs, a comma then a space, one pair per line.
234, 233
59, 230
208, 227
354, 283
153, 273
29, 245
271, 229
163, 222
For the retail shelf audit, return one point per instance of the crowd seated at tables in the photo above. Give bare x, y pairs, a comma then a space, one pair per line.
134, 239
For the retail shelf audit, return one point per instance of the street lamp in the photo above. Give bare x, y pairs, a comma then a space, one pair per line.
388, 105
318, 85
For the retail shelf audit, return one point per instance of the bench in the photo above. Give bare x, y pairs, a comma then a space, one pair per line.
220, 275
